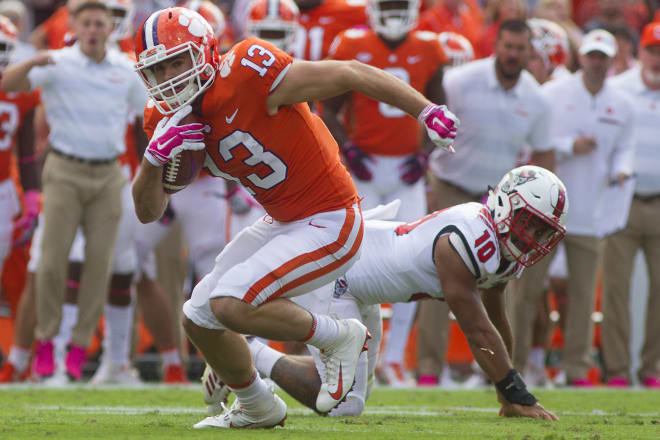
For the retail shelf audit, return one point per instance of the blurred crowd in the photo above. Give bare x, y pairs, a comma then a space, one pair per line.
573, 86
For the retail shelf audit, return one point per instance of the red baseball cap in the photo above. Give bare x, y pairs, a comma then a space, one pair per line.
650, 35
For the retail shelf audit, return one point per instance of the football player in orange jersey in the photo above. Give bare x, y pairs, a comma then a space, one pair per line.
275, 21
51, 33
321, 21
257, 129
381, 145
16, 129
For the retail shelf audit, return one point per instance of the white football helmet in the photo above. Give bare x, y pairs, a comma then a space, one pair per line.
529, 208
392, 19
122, 16
550, 41
457, 48
8, 38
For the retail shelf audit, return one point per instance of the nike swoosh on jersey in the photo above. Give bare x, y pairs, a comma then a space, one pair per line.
231, 118
414, 59
340, 387
316, 226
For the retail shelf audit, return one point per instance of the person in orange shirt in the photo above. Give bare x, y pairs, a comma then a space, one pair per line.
257, 129
496, 12
462, 17
16, 131
275, 21
380, 143
51, 33
321, 21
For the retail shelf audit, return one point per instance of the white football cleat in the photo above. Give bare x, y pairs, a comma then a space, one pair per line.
340, 361
58, 379
109, 373
271, 416
394, 375
216, 392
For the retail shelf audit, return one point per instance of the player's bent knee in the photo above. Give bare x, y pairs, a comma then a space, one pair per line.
230, 311
190, 327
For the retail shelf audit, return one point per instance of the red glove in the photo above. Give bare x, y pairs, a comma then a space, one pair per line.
414, 167
356, 160
27, 223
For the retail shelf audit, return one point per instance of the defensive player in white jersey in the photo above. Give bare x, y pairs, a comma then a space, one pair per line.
463, 255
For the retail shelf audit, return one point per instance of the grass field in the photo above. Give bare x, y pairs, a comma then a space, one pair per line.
167, 413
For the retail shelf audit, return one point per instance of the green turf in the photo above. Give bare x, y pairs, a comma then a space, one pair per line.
84, 413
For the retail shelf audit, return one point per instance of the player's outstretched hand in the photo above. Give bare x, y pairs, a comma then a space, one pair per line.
441, 125
535, 411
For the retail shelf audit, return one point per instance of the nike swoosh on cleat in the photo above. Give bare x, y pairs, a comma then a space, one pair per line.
340, 387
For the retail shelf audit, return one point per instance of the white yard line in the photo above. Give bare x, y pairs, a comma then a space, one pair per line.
382, 410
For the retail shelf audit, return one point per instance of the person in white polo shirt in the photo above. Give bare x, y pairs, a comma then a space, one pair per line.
642, 84
87, 91
592, 132
501, 111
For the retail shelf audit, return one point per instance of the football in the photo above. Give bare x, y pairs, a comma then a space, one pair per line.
184, 167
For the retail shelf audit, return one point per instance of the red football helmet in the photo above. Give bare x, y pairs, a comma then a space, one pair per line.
122, 15
169, 33
8, 37
275, 21
210, 12
457, 48
550, 41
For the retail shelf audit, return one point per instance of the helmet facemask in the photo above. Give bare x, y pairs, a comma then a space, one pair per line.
280, 33
122, 17
527, 235
393, 19
529, 208
6, 51
190, 83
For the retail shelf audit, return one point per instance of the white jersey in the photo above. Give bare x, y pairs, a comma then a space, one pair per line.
397, 258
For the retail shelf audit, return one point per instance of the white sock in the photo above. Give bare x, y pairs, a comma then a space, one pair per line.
19, 358
401, 321
69, 319
323, 332
537, 357
251, 394
118, 325
263, 356
170, 357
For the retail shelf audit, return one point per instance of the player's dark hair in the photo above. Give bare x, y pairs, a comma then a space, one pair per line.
516, 25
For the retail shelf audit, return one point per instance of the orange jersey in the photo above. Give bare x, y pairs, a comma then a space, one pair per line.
56, 27
127, 46
376, 127
319, 26
13, 108
467, 22
288, 161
